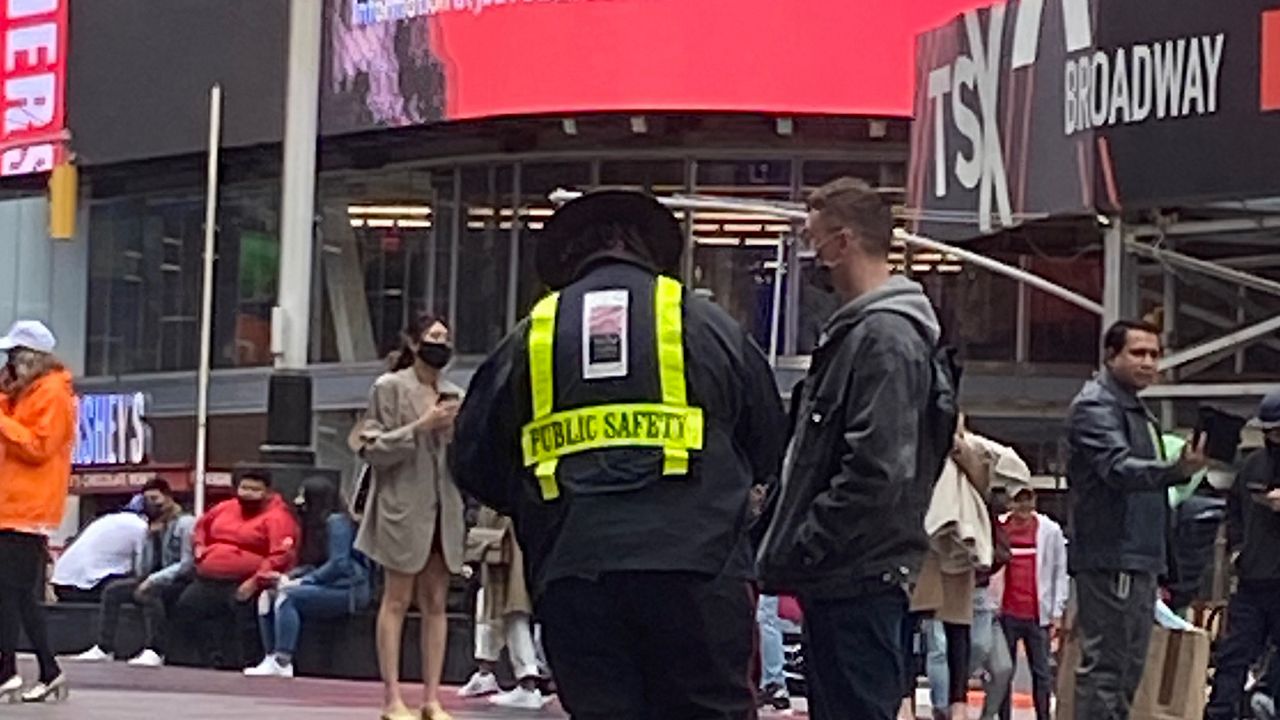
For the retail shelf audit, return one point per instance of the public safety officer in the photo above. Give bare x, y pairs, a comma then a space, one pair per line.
623, 426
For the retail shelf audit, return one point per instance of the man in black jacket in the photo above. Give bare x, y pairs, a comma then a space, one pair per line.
1253, 529
847, 530
622, 426
1119, 484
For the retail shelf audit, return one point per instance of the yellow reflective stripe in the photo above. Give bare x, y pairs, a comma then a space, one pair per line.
638, 425
668, 313
546, 472
542, 335
670, 322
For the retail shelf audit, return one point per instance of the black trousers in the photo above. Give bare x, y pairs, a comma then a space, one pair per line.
155, 610
1115, 621
959, 648
650, 645
855, 656
22, 559
225, 629
72, 594
1253, 622
1035, 639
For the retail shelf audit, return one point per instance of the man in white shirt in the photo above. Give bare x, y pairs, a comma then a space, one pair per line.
102, 552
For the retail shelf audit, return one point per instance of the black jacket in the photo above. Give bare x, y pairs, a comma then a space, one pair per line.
1118, 482
1252, 527
640, 521
849, 515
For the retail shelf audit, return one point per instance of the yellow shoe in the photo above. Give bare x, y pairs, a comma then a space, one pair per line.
400, 713
433, 711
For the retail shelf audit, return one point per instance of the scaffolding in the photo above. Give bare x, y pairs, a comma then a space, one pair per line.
1130, 252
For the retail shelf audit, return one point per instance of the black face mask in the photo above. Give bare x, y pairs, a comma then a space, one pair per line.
250, 507
821, 278
435, 355
154, 511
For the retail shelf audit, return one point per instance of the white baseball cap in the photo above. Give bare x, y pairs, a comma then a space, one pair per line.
30, 334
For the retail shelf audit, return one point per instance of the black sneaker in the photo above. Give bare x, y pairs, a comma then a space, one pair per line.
776, 697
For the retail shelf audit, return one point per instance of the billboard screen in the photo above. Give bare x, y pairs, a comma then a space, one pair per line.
393, 63
33, 81
1031, 109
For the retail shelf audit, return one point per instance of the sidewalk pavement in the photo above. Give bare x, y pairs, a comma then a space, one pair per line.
114, 691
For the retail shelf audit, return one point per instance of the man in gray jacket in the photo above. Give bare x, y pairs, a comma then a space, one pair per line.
846, 533
1119, 482
164, 566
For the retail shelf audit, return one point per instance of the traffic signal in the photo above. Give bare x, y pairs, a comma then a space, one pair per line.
64, 194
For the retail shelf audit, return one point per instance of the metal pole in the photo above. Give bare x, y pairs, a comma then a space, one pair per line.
779, 257
1227, 342
206, 295
794, 211
996, 266
1112, 273
297, 206
1169, 303
1022, 336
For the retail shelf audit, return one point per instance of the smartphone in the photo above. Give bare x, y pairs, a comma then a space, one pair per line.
449, 397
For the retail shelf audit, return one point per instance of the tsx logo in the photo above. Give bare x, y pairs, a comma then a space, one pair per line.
1160, 80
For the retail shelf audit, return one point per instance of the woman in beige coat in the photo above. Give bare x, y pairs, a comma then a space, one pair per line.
413, 522
504, 615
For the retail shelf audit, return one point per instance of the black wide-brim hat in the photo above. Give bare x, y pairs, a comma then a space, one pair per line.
559, 255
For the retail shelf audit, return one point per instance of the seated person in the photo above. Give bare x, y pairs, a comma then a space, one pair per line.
102, 552
242, 546
164, 566
332, 580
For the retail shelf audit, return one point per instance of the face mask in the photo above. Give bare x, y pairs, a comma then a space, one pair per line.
249, 507
154, 511
435, 355
821, 278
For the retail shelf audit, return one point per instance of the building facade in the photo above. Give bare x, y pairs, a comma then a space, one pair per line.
442, 136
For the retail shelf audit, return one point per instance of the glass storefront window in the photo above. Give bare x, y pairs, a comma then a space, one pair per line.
537, 181
1060, 332
375, 245
484, 258
737, 257
458, 240
145, 259
978, 310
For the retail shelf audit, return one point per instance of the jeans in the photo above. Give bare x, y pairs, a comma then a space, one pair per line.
983, 645
1115, 621
1035, 640
280, 614
1253, 620
772, 655
854, 653
154, 611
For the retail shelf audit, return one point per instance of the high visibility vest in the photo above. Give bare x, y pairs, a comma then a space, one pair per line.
670, 425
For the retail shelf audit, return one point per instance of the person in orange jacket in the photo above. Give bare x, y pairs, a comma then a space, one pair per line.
37, 434
242, 547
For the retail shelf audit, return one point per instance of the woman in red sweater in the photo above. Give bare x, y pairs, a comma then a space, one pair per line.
242, 546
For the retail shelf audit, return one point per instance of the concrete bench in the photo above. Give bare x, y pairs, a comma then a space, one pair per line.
342, 648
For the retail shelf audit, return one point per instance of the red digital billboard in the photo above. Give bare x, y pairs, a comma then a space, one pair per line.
33, 43
405, 62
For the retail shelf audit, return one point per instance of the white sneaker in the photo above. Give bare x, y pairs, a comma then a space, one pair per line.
147, 659
270, 667
94, 654
519, 699
479, 685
